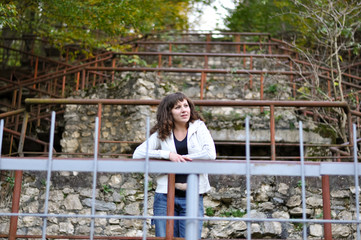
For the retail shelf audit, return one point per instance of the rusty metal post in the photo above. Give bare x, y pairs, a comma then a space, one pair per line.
209, 39
63, 85
113, 65
170, 207
170, 57
203, 81
78, 79
159, 61
269, 47
94, 74
250, 75
273, 132
205, 61
326, 206
17, 182
244, 59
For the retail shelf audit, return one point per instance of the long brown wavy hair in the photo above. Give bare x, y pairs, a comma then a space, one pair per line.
165, 121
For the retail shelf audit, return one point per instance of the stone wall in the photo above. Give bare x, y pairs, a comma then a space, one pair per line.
123, 194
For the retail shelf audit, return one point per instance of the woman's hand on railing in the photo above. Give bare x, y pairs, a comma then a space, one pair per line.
174, 157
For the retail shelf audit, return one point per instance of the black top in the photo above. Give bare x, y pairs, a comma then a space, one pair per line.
182, 149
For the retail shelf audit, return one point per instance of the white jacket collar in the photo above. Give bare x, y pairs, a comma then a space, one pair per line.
193, 126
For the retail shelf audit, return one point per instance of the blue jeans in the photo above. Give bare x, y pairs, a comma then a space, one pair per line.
160, 209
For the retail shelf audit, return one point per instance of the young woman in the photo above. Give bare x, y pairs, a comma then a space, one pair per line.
179, 135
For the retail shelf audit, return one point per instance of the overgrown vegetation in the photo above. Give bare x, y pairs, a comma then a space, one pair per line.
94, 23
325, 34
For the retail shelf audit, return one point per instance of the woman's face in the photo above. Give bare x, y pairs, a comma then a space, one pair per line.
181, 112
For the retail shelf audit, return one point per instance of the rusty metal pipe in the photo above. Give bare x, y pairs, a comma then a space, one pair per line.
207, 43
12, 113
17, 184
33, 55
51, 76
197, 33
26, 137
170, 207
190, 70
253, 103
326, 206
203, 82
206, 54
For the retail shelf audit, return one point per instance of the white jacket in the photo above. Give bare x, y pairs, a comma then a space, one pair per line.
200, 146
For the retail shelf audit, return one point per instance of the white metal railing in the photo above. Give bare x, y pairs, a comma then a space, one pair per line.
248, 168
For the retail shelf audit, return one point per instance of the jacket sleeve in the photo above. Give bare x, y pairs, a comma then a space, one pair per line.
154, 149
205, 140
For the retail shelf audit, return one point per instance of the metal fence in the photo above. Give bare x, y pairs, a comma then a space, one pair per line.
248, 168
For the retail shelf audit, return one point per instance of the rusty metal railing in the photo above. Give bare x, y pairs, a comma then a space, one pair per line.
83, 76
214, 103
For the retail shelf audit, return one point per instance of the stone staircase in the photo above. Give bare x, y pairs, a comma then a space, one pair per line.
233, 67
209, 66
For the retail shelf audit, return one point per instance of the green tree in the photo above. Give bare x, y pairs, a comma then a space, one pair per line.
325, 33
261, 16
99, 23
8, 15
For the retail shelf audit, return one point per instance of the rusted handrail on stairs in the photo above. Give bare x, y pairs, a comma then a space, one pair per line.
248, 103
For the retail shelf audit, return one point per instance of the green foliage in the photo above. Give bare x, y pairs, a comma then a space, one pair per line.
307, 23
122, 192
43, 182
261, 16
107, 189
278, 118
8, 15
271, 89
150, 185
209, 212
352, 97
298, 227
10, 181
326, 131
233, 213
95, 23
304, 91
131, 60
265, 113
